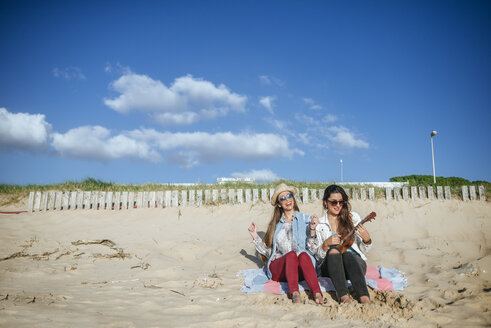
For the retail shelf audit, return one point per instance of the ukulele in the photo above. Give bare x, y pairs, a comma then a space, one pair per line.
349, 238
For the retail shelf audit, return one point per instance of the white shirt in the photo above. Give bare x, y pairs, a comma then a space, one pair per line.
324, 231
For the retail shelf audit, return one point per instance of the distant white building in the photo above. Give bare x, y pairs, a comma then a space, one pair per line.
227, 180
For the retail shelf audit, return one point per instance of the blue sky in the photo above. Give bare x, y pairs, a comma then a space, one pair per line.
188, 91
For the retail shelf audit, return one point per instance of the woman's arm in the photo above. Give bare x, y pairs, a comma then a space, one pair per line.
260, 245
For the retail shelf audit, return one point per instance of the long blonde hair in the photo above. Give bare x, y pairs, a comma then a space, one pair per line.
269, 235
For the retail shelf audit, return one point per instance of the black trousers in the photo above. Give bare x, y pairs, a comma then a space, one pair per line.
347, 266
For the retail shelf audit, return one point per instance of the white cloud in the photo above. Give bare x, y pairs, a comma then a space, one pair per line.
267, 102
69, 73
193, 148
270, 80
312, 104
186, 101
264, 79
259, 175
329, 118
280, 125
96, 143
343, 137
23, 131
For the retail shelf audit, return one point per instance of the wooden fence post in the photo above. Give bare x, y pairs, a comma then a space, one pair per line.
184, 197
58, 200
139, 199
405, 193
472, 192
414, 193
214, 196
431, 195
223, 196
264, 195
145, 200
231, 196
109, 200
124, 200
199, 197
439, 192
313, 194
305, 195
465, 193
422, 195
160, 199
207, 197
255, 196
44, 201
131, 199
73, 200
355, 194
397, 194
388, 193
168, 198
94, 199
86, 204
248, 196
482, 193
37, 201
30, 202
192, 198
240, 198
371, 193
448, 195
152, 199
363, 194
175, 198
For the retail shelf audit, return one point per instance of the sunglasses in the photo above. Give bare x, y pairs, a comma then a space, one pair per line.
336, 202
282, 198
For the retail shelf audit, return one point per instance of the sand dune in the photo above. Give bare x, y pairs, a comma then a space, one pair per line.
178, 268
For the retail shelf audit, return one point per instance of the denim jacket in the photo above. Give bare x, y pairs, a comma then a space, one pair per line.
300, 224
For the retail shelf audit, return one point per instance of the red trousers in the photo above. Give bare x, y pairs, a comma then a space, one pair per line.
292, 268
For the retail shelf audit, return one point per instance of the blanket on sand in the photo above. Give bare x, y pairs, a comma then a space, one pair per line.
380, 278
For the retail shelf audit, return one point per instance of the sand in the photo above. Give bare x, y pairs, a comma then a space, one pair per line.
178, 268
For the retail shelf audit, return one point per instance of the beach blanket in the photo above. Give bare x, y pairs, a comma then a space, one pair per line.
380, 278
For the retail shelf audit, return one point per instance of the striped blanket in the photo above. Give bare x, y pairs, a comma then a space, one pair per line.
379, 278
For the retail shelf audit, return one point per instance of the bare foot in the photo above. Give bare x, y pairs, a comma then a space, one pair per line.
296, 297
364, 300
345, 299
319, 300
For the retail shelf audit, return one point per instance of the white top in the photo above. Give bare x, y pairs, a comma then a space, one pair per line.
324, 231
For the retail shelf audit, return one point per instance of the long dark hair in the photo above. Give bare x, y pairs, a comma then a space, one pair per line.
345, 218
269, 235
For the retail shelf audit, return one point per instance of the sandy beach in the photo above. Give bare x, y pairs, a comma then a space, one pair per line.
177, 267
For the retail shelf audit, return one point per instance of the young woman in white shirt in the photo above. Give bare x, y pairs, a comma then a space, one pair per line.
324, 243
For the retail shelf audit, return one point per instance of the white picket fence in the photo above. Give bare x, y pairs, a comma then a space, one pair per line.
58, 200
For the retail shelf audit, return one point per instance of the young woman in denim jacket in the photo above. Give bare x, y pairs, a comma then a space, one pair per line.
324, 239
284, 244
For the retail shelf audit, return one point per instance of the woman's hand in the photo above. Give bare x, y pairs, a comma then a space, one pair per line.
252, 230
363, 233
314, 221
331, 241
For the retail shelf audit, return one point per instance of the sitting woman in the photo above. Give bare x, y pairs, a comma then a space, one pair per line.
324, 242
284, 245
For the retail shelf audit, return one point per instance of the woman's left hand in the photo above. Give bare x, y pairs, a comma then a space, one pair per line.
363, 233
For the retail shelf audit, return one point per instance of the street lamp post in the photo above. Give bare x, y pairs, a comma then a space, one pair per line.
433, 133
341, 161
